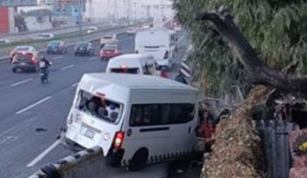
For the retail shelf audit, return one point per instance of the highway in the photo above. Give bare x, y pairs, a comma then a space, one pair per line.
31, 114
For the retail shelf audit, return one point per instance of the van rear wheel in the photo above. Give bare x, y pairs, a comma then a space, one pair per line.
138, 160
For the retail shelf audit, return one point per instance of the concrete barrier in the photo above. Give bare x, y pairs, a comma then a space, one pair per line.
79, 165
90, 163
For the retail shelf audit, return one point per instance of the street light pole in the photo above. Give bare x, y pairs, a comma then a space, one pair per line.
80, 18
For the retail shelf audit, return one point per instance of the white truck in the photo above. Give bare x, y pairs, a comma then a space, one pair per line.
161, 43
153, 119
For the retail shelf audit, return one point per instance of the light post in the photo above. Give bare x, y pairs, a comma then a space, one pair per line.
79, 5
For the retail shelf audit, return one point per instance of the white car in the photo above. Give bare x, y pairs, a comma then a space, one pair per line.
46, 36
4, 41
108, 39
92, 30
131, 31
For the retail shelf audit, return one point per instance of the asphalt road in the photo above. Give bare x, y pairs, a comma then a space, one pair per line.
31, 114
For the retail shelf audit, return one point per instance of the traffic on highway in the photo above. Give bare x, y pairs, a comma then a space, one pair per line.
37, 90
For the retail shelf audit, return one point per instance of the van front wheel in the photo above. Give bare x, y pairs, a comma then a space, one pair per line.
138, 160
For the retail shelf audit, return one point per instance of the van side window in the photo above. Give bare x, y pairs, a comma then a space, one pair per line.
161, 114
181, 113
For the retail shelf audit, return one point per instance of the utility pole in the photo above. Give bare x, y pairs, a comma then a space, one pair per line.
80, 18
162, 6
115, 10
134, 3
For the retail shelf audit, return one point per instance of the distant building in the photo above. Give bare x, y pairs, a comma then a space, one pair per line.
38, 19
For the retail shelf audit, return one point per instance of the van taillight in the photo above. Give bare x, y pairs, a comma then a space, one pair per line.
118, 140
166, 55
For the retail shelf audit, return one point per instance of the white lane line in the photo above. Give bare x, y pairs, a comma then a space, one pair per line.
43, 154
67, 67
33, 105
21, 82
60, 57
74, 85
93, 58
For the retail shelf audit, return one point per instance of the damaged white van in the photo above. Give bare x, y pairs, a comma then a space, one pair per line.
135, 119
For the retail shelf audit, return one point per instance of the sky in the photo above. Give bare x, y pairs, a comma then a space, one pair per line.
100, 8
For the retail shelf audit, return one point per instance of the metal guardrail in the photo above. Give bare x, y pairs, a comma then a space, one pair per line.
49, 30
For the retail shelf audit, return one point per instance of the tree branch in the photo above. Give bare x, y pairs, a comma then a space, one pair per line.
259, 73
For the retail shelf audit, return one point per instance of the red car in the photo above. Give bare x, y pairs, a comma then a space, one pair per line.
109, 51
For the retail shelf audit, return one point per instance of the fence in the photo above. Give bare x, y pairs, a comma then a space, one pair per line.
274, 135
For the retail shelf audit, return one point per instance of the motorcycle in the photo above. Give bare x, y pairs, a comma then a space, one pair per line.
44, 74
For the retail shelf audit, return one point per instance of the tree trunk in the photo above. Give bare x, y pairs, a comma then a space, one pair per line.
258, 71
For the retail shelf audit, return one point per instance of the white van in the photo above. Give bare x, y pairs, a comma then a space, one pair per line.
132, 63
154, 119
161, 43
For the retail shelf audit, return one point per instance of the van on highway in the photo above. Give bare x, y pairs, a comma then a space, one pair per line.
161, 43
135, 119
143, 64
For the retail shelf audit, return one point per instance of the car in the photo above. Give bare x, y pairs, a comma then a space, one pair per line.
20, 49
45, 36
84, 48
24, 62
109, 51
131, 31
4, 41
92, 30
108, 39
56, 47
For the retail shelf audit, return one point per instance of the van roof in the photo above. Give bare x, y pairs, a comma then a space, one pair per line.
129, 56
134, 82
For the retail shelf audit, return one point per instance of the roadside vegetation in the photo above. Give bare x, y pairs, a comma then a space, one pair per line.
265, 44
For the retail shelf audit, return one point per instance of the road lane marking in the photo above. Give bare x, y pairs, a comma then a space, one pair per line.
93, 58
33, 105
76, 84
21, 82
67, 67
8, 138
43, 154
60, 57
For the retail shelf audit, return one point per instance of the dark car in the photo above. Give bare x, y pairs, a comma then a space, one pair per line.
84, 48
56, 47
109, 51
24, 62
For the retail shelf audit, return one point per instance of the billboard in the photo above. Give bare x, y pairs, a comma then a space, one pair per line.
15, 3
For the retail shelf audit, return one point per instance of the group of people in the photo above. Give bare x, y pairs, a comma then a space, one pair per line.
100, 108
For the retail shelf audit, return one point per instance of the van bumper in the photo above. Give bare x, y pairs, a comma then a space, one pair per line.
114, 158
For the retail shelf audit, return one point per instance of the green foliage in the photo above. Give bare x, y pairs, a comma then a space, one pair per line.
276, 29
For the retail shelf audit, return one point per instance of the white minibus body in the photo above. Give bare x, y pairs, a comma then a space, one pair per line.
160, 43
141, 64
155, 121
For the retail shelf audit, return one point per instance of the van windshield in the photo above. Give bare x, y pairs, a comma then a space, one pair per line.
99, 107
126, 70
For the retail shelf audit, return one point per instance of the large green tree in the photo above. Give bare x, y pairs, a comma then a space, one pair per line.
276, 29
